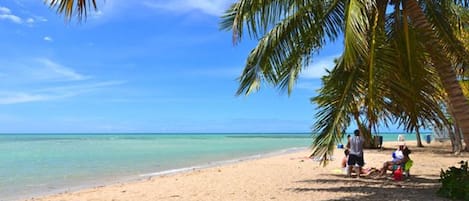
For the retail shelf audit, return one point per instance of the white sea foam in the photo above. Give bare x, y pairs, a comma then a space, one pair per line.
223, 162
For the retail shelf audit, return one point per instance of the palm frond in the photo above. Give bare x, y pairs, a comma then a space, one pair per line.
68, 7
355, 32
443, 17
258, 16
282, 53
335, 101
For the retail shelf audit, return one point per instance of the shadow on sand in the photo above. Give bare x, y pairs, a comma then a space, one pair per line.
413, 189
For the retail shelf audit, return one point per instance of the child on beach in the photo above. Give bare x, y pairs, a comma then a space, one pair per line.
344, 165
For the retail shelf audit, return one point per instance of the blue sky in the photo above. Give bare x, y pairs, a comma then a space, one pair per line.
138, 66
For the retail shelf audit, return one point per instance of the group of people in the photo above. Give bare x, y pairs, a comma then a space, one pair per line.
354, 158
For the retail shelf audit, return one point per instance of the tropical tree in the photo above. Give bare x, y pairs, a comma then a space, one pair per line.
291, 32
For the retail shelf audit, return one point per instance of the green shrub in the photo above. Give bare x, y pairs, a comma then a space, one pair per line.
455, 182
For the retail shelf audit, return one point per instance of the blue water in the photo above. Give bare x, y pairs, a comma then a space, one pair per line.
37, 164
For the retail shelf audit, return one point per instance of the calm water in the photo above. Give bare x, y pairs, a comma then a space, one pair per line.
40, 164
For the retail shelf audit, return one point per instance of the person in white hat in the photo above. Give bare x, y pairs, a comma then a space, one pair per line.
400, 138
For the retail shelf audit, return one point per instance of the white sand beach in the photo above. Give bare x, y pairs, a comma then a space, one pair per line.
285, 177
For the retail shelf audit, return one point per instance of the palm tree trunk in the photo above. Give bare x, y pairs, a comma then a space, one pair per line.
457, 101
419, 140
455, 135
457, 139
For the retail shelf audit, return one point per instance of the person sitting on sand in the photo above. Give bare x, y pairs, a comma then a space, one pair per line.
344, 165
395, 164
344, 160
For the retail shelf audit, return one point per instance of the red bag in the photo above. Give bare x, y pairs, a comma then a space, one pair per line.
398, 174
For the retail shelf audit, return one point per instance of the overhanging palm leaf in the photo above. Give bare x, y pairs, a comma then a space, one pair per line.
443, 17
339, 94
287, 47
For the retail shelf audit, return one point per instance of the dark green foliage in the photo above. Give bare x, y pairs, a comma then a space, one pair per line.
455, 182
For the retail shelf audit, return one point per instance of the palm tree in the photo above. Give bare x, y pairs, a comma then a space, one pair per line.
291, 32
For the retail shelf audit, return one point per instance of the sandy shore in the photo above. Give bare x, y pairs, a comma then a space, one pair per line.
285, 177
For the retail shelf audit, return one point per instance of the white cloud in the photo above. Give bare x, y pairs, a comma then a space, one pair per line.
30, 20
318, 68
4, 10
42, 70
12, 18
210, 7
53, 93
53, 70
20, 97
40, 19
48, 38
5, 14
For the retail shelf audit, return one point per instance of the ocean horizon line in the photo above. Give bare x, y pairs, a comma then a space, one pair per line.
184, 133
146, 133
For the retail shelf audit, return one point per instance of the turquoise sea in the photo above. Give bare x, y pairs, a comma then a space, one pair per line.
38, 164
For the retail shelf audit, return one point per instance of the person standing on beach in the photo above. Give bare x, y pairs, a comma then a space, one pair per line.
355, 157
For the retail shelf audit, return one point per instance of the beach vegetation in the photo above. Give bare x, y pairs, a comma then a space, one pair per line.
397, 55
455, 182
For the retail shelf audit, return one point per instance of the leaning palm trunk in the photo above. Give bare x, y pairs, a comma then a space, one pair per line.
419, 140
457, 102
457, 146
454, 134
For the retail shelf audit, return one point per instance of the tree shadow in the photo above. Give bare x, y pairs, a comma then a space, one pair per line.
412, 189
434, 149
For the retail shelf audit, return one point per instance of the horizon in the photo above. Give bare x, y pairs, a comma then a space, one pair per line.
202, 133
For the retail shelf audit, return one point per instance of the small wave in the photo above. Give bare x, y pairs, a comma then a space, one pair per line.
224, 162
